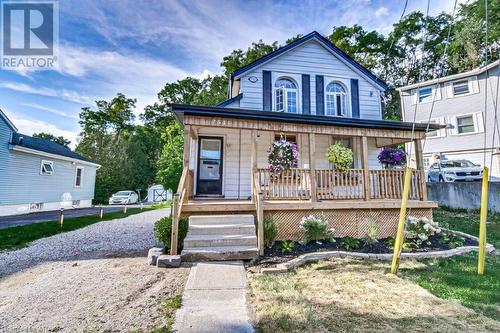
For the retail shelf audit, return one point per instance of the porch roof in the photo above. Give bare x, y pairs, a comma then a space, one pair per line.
180, 110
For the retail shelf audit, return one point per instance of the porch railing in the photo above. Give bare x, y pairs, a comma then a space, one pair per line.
180, 198
295, 184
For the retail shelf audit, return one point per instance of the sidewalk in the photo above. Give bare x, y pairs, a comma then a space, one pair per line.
214, 299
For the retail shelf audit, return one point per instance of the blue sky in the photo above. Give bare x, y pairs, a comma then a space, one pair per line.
135, 47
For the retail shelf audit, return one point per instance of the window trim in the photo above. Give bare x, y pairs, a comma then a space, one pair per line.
347, 111
472, 85
45, 173
79, 167
465, 81
431, 95
285, 94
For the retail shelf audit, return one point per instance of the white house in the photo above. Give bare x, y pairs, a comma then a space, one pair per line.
40, 175
459, 101
312, 95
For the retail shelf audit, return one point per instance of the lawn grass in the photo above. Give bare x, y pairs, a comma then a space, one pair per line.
169, 306
456, 277
19, 236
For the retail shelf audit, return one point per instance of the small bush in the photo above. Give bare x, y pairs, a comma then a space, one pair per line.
270, 232
316, 229
418, 230
371, 238
452, 240
349, 243
163, 230
287, 246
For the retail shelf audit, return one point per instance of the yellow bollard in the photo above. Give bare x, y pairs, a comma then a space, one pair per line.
101, 212
482, 222
61, 218
125, 209
402, 219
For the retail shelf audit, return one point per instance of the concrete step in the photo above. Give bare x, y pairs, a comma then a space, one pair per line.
219, 253
222, 229
219, 240
220, 219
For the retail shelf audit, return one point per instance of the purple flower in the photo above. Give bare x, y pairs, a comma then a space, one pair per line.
392, 156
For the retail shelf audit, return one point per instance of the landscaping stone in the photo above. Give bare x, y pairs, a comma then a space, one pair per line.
168, 261
154, 253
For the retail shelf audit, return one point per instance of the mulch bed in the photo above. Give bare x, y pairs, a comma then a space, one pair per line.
274, 255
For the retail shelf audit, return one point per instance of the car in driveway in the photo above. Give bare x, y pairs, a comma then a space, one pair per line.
124, 198
454, 171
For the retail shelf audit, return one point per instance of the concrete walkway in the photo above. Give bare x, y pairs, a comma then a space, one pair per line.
214, 299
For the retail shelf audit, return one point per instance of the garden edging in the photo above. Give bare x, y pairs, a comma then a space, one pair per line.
316, 256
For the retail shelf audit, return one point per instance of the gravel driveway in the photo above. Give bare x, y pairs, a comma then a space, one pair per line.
120, 237
95, 279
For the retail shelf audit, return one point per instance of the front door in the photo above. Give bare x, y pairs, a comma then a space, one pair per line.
209, 180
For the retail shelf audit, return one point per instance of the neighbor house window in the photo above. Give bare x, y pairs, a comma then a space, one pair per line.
432, 133
425, 94
336, 99
285, 96
465, 124
47, 168
460, 87
78, 176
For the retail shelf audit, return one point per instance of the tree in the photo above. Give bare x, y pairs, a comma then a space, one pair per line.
57, 139
239, 58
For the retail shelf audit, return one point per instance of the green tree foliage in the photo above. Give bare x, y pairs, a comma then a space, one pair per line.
239, 58
57, 139
110, 138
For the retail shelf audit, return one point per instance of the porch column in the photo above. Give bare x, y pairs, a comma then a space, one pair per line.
185, 161
253, 158
364, 165
419, 158
312, 165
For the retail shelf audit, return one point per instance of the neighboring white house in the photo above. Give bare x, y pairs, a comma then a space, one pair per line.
40, 175
459, 102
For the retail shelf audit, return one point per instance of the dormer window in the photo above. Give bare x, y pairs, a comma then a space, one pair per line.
285, 96
336, 99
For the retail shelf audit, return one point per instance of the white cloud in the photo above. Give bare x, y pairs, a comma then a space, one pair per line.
382, 11
51, 110
65, 94
30, 126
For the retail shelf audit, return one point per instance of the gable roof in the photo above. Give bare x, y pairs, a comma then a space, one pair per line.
211, 111
475, 71
45, 146
7, 121
230, 100
326, 43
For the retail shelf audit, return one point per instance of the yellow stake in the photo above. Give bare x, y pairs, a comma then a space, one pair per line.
402, 219
482, 222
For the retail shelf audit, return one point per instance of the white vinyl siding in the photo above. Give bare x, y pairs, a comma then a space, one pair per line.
313, 59
467, 124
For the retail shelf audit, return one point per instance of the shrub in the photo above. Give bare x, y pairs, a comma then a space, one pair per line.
287, 246
418, 230
341, 157
452, 240
316, 228
371, 237
269, 232
163, 230
349, 243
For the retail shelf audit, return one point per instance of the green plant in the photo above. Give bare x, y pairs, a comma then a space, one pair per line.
341, 157
287, 246
316, 228
418, 230
163, 230
270, 232
389, 242
349, 243
452, 240
371, 237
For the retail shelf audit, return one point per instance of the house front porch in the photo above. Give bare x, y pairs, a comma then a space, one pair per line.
226, 172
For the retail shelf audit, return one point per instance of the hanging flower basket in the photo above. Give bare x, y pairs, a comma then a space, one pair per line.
283, 155
392, 157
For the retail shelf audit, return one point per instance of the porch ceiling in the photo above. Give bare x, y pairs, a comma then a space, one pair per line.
388, 132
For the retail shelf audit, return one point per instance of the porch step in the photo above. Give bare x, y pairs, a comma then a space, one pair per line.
220, 237
220, 219
219, 253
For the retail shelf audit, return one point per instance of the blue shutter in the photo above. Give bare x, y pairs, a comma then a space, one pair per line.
355, 98
320, 92
306, 94
267, 92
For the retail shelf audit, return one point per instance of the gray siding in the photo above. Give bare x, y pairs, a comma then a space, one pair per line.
313, 59
21, 182
447, 107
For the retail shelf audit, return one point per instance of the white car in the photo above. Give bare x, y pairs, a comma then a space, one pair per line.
124, 198
454, 171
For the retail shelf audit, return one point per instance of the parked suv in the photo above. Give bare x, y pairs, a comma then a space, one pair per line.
454, 171
123, 198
